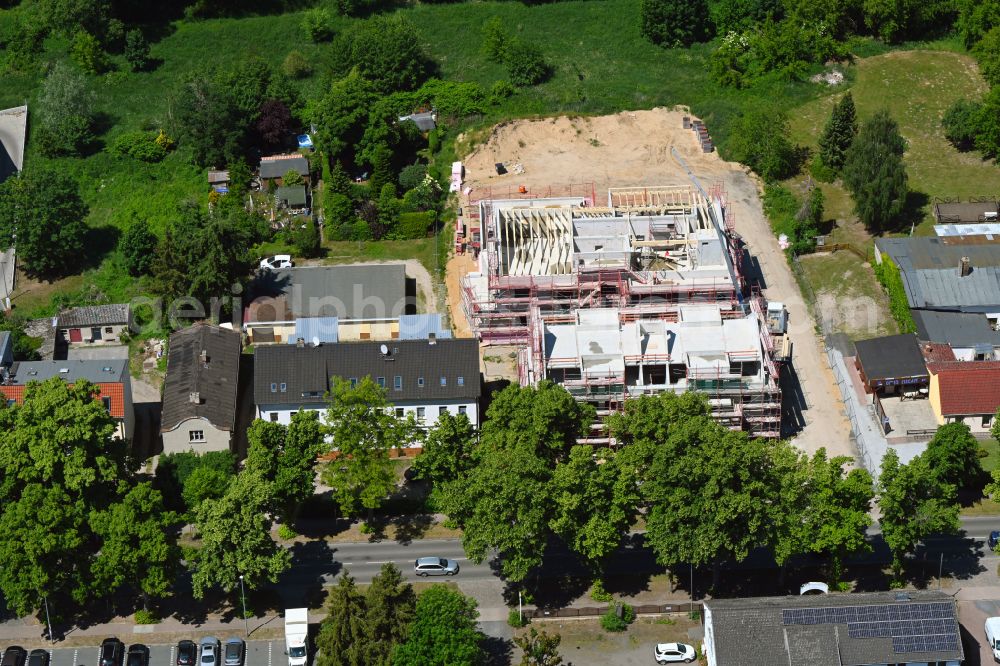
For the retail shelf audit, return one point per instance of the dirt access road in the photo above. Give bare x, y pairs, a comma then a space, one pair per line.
634, 149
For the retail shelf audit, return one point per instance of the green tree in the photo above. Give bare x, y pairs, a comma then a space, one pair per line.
525, 64
385, 50
204, 483
874, 172
210, 122
364, 431
740, 15
285, 456
341, 116
342, 639
390, 607
44, 209
495, 39
317, 23
87, 53
446, 453
596, 501
760, 140
539, 648
988, 125
839, 133
67, 16
136, 50
961, 123
388, 210
444, 631
914, 505
953, 456
306, 239
292, 177
339, 182
138, 544
382, 171
975, 19
235, 532
670, 23
137, 245
248, 85
65, 112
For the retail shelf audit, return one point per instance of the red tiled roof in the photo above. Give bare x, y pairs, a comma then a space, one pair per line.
114, 391
968, 388
937, 352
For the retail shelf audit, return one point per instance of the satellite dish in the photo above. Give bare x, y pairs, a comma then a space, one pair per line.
384, 350
315, 341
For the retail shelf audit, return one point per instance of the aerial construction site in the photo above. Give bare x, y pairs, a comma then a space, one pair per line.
633, 295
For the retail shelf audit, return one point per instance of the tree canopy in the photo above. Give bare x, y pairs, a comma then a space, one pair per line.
444, 631
65, 112
672, 23
839, 133
874, 172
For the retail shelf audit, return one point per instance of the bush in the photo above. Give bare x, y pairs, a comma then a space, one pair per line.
412, 176
821, 171
515, 620
888, 276
670, 23
143, 616
136, 50
413, 225
139, 145
760, 140
501, 90
306, 239
453, 99
287, 533
598, 593
87, 53
961, 123
611, 622
495, 39
318, 25
296, 66
525, 64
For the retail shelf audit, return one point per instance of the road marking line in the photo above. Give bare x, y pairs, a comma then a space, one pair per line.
269, 653
171, 662
74, 657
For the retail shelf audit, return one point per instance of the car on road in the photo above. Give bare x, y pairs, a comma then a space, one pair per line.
208, 653
14, 656
994, 539
38, 658
187, 653
235, 652
435, 566
138, 655
112, 652
276, 262
673, 653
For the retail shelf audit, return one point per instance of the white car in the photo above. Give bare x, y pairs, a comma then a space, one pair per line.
276, 262
672, 653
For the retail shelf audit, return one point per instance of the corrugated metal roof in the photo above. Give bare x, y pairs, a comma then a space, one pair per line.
958, 329
933, 253
945, 288
420, 326
316, 329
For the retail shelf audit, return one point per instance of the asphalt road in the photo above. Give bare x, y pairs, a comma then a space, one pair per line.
259, 653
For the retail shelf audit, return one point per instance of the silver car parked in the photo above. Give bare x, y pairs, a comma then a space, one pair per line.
208, 652
435, 566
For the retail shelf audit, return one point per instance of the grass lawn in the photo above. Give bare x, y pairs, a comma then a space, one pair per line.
917, 87
848, 294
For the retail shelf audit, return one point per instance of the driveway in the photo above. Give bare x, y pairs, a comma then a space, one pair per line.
96, 352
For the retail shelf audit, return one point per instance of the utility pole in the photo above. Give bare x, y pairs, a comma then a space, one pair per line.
48, 621
243, 596
940, 569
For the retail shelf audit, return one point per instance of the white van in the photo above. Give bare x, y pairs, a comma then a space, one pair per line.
993, 636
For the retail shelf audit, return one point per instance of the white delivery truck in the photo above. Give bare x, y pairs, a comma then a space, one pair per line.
297, 636
993, 636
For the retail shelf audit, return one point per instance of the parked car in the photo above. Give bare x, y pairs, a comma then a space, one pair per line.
112, 652
435, 566
138, 655
994, 539
672, 653
38, 658
13, 656
235, 652
209, 652
276, 262
187, 653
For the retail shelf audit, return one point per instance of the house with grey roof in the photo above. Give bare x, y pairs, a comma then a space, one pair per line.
6, 349
110, 376
357, 302
200, 392
93, 324
970, 335
292, 197
426, 378
864, 629
274, 167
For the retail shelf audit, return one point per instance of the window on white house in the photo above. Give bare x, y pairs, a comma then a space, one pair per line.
987, 419
196, 436
462, 409
109, 330
397, 383
284, 387
380, 381
420, 412
274, 417
274, 387
399, 412
444, 380
442, 411
461, 381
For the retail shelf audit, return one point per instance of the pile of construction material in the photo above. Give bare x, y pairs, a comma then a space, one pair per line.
702, 133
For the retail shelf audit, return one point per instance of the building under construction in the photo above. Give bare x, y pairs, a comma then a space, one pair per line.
642, 295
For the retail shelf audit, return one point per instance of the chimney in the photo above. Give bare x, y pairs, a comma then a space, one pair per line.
432, 338
194, 397
203, 357
964, 267
300, 342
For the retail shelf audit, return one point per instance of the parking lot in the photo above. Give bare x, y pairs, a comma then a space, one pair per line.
259, 653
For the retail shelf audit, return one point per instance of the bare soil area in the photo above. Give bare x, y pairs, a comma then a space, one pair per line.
591, 154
